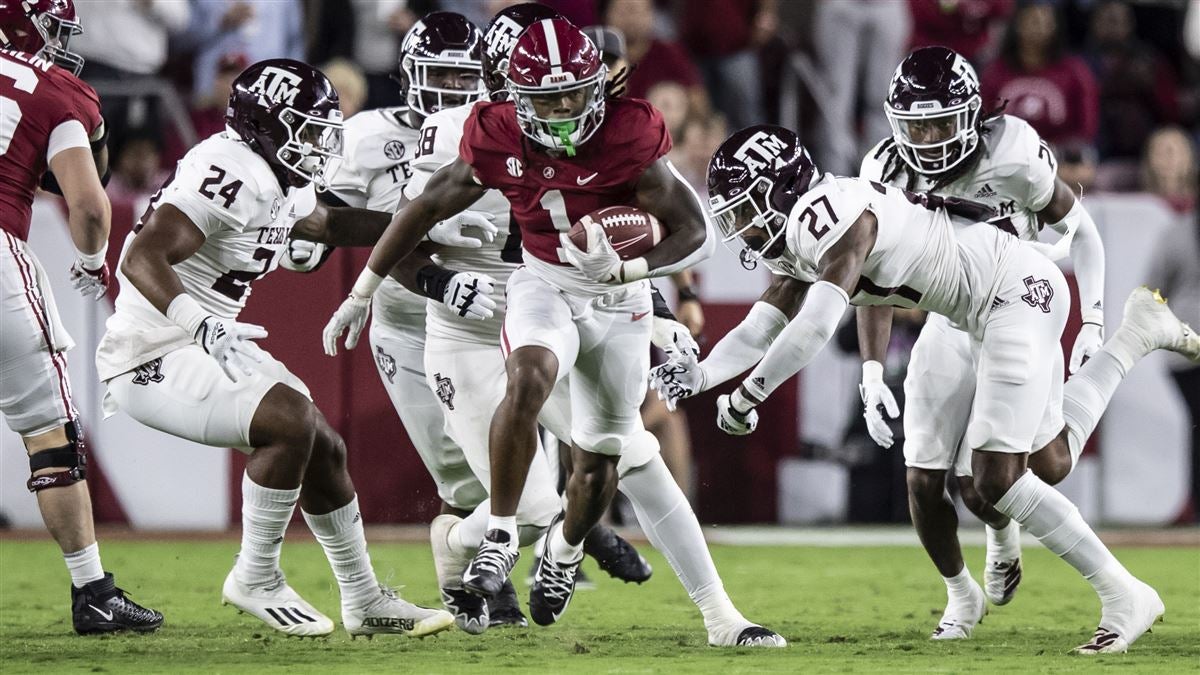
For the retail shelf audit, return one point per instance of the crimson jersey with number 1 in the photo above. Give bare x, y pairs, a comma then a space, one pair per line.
38, 103
548, 194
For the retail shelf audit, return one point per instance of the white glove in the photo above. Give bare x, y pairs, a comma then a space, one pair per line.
600, 263
679, 378
350, 317
874, 394
229, 342
90, 283
302, 256
468, 294
449, 231
735, 415
1088, 342
673, 338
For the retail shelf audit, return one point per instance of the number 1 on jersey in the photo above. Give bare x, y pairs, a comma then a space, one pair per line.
553, 202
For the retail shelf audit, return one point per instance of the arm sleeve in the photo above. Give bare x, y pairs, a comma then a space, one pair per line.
1087, 252
800, 342
743, 346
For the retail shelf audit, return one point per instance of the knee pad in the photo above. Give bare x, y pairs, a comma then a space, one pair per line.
641, 449
72, 456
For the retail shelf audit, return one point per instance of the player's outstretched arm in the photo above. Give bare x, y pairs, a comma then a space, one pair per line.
664, 193
838, 273
874, 334
342, 226
740, 349
1066, 215
89, 217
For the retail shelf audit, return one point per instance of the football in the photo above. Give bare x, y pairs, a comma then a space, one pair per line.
632, 232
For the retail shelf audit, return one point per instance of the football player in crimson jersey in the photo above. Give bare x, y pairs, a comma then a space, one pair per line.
833, 242
49, 119
557, 151
175, 357
466, 367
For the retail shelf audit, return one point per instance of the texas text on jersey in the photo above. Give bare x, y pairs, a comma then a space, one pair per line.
45, 109
549, 193
230, 193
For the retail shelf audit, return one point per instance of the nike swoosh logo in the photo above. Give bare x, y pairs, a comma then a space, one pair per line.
638, 316
629, 242
107, 615
580, 180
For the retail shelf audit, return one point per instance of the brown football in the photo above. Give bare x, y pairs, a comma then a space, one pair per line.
632, 232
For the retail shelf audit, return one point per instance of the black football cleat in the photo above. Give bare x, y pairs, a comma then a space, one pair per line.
488, 571
553, 584
616, 556
101, 607
505, 610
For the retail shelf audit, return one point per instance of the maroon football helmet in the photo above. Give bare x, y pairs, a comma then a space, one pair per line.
500, 38
555, 65
933, 105
41, 27
288, 112
441, 63
754, 180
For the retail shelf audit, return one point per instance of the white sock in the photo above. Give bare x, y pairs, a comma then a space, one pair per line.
1055, 521
562, 550
671, 526
505, 524
1087, 393
340, 533
958, 587
467, 535
84, 565
1005, 543
265, 516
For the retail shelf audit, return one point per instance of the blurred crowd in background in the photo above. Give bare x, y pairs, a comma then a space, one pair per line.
1113, 86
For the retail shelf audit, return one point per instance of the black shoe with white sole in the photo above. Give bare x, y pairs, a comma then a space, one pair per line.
505, 609
101, 607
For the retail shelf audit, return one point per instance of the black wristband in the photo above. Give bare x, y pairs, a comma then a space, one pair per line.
687, 293
661, 310
432, 281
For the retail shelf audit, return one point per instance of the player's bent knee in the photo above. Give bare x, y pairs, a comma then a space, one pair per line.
1052, 464
992, 486
61, 466
328, 446
926, 485
971, 498
285, 419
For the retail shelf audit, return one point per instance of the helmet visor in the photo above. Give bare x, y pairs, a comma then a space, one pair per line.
439, 85
564, 116
934, 141
314, 149
748, 226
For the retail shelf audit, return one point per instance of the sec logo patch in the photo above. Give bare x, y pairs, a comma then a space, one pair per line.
393, 150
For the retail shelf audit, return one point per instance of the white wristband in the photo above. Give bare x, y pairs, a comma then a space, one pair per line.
1093, 316
186, 313
635, 269
872, 372
367, 282
93, 261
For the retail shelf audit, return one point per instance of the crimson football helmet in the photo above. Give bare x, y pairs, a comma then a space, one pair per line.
446, 41
500, 38
41, 27
288, 112
933, 106
754, 180
555, 64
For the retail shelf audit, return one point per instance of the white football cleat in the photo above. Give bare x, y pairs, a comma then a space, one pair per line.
1124, 620
961, 616
277, 605
388, 614
744, 634
470, 611
1148, 317
1000, 580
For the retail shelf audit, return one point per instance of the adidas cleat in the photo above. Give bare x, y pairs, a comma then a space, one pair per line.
616, 556
1000, 580
1124, 621
553, 584
746, 635
488, 571
388, 614
101, 607
505, 609
961, 616
1155, 326
277, 605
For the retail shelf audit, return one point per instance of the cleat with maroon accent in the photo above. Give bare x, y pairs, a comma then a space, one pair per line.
961, 616
1124, 620
277, 605
1000, 579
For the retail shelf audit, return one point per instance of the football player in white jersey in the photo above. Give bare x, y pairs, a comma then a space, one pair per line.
943, 143
175, 357
840, 241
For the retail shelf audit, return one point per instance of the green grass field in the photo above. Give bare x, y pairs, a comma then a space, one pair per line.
842, 610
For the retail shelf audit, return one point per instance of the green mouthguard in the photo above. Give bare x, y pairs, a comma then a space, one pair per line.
563, 130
